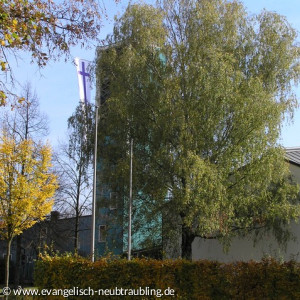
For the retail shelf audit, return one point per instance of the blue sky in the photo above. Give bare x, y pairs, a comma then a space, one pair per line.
57, 87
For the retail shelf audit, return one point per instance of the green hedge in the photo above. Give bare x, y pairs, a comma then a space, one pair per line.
268, 279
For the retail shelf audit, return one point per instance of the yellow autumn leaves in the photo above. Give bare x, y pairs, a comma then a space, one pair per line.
44, 29
26, 185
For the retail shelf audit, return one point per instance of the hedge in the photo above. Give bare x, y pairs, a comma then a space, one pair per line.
268, 279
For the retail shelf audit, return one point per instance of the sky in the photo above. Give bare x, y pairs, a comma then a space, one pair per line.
57, 87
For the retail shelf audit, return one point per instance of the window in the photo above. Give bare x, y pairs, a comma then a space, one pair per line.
113, 200
102, 233
44, 232
4, 256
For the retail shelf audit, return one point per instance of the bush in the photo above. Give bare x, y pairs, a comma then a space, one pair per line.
268, 279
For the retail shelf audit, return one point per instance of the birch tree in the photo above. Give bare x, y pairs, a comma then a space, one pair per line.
202, 89
74, 169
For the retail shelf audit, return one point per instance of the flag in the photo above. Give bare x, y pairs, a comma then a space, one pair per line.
84, 80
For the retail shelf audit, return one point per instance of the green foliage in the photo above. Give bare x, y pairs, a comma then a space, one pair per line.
205, 119
73, 166
268, 279
81, 136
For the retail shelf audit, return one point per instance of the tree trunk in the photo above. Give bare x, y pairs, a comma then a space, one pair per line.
18, 261
187, 236
77, 211
186, 242
76, 232
7, 262
77, 214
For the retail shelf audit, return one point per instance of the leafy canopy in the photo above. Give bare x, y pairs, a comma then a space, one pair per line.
26, 185
45, 29
202, 88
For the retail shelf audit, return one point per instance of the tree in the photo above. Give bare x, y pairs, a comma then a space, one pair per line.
24, 122
45, 29
26, 188
73, 167
202, 90
139, 82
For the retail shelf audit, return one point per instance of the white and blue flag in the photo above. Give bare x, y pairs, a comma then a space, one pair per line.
84, 80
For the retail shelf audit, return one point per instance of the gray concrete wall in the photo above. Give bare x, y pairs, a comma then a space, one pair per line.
243, 249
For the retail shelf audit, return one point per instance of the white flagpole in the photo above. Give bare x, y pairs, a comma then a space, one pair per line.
84, 84
130, 201
94, 187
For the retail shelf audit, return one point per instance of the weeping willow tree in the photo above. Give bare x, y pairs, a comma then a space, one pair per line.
202, 90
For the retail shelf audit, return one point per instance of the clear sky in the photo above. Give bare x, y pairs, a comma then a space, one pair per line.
57, 87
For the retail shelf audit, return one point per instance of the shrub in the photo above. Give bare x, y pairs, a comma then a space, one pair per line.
268, 279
